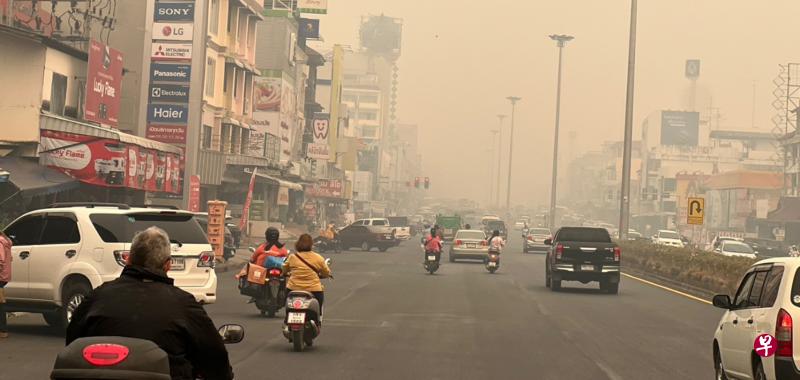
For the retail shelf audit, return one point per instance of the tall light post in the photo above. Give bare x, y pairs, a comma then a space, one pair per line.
513, 100
499, 158
561, 40
624, 207
495, 152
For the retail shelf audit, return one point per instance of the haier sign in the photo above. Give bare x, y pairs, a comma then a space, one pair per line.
174, 11
167, 113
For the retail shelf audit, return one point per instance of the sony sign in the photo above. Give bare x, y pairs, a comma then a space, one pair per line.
174, 11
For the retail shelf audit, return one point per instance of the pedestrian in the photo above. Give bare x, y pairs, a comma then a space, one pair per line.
5, 278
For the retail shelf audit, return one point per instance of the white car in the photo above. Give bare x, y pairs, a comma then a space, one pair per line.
766, 302
62, 252
400, 233
668, 238
735, 249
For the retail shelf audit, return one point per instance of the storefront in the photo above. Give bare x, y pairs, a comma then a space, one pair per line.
325, 200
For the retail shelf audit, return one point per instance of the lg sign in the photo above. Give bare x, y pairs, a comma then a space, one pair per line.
174, 11
172, 31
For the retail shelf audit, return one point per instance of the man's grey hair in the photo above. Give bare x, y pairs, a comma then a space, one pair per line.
150, 248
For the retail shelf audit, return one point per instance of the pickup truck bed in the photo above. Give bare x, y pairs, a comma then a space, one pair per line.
583, 254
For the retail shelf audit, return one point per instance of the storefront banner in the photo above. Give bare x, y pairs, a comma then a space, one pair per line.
325, 188
194, 193
318, 151
170, 134
103, 85
247, 201
283, 196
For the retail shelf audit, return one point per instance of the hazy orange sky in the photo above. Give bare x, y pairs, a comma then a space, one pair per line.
462, 58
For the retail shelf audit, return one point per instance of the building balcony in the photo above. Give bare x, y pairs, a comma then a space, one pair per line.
245, 160
210, 167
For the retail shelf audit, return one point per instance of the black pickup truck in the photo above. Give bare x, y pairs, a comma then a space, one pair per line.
582, 254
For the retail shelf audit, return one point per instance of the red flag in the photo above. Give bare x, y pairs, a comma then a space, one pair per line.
247, 201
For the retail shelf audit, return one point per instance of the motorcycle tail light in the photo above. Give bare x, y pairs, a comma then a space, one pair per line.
106, 354
274, 272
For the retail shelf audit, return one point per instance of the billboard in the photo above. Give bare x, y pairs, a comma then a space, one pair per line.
174, 11
267, 93
169, 93
692, 68
172, 31
680, 128
321, 128
170, 134
171, 51
318, 151
170, 73
325, 188
313, 6
167, 113
103, 82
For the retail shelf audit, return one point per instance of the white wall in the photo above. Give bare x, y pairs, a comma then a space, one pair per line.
21, 80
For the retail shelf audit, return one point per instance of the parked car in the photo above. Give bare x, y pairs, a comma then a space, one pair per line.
668, 238
367, 237
534, 240
766, 302
717, 241
469, 244
62, 252
402, 229
736, 249
583, 254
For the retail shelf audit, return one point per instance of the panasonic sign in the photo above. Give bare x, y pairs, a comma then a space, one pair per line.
165, 72
174, 11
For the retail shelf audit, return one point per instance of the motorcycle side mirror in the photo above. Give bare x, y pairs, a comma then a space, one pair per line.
328, 262
231, 333
251, 249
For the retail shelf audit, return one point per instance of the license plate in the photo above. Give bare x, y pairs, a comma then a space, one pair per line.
177, 263
587, 267
471, 246
296, 318
432, 258
492, 264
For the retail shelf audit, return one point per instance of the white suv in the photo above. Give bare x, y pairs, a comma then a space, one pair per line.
767, 302
62, 252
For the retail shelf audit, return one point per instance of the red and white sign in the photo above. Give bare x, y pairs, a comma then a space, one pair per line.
172, 31
103, 82
171, 51
248, 199
325, 188
318, 151
320, 130
194, 193
283, 196
170, 134
765, 345
109, 163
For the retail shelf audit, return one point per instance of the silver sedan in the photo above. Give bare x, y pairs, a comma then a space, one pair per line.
470, 245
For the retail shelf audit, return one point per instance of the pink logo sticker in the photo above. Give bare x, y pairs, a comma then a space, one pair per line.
765, 345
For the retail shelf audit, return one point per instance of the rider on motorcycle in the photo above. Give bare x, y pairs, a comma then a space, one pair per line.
272, 247
433, 243
496, 242
306, 269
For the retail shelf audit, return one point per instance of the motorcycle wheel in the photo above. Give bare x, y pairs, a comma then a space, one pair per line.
492, 269
271, 312
297, 340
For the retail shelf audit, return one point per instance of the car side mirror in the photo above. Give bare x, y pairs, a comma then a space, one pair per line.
231, 333
548, 241
722, 301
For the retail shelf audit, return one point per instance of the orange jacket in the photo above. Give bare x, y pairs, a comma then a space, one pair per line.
261, 253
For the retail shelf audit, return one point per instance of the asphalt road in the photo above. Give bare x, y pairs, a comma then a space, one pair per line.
387, 319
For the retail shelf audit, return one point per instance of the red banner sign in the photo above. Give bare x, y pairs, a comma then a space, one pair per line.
103, 84
325, 188
247, 201
194, 193
109, 163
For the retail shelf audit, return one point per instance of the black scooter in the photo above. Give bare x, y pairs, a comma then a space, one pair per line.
115, 357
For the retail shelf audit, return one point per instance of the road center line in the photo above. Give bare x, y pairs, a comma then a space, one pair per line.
668, 289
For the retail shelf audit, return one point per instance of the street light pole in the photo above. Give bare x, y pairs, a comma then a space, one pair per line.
499, 158
495, 152
513, 100
561, 40
624, 208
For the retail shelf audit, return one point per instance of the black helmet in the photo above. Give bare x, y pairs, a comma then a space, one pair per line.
496, 233
467, 227
433, 231
272, 235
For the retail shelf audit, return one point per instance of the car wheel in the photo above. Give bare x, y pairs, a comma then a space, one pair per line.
547, 278
758, 373
383, 249
73, 295
555, 285
718, 368
365, 247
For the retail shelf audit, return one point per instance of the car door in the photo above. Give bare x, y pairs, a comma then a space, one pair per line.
52, 258
25, 234
346, 236
736, 343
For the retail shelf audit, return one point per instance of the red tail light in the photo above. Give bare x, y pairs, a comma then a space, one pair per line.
458, 242
274, 272
484, 243
559, 251
783, 334
104, 355
206, 259
122, 257
617, 253
530, 238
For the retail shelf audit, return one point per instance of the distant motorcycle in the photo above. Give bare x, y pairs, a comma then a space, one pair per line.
493, 261
432, 261
303, 314
270, 297
323, 245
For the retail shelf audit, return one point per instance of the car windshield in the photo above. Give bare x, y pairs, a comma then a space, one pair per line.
380, 222
669, 235
736, 247
495, 225
470, 235
120, 228
539, 231
599, 235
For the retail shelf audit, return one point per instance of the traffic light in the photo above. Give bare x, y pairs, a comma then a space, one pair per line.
416, 183
427, 183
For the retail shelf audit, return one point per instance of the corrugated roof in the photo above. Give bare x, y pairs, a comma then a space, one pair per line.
743, 179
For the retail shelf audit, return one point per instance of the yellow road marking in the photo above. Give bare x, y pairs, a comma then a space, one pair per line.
668, 289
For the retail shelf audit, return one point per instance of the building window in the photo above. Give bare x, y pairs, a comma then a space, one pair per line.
235, 83
210, 76
367, 115
273, 147
225, 139
206, 137
245, 141
368, 99
58, 94
669, 185
236, 140
369, 132
668, 206
213, 23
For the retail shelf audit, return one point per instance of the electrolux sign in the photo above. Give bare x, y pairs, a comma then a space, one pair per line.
174, 11
164, 72
169, 93
167, 113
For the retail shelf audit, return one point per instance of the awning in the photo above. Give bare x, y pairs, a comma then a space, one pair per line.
280, 182
788, 210
33, 179
61, 124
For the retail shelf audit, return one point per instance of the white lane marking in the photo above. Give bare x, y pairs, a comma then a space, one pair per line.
668, 289
611, 374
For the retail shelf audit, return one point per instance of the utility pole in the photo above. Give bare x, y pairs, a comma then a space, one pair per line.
624, 209
513, 100
499, 158
561, 40
495, 151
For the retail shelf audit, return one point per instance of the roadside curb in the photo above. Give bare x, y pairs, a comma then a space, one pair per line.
703, 294
234, 263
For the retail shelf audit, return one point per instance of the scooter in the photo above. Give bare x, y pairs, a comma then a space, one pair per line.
432, 261
324, 245
493, 261
303, 319
115, 357
271, 297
